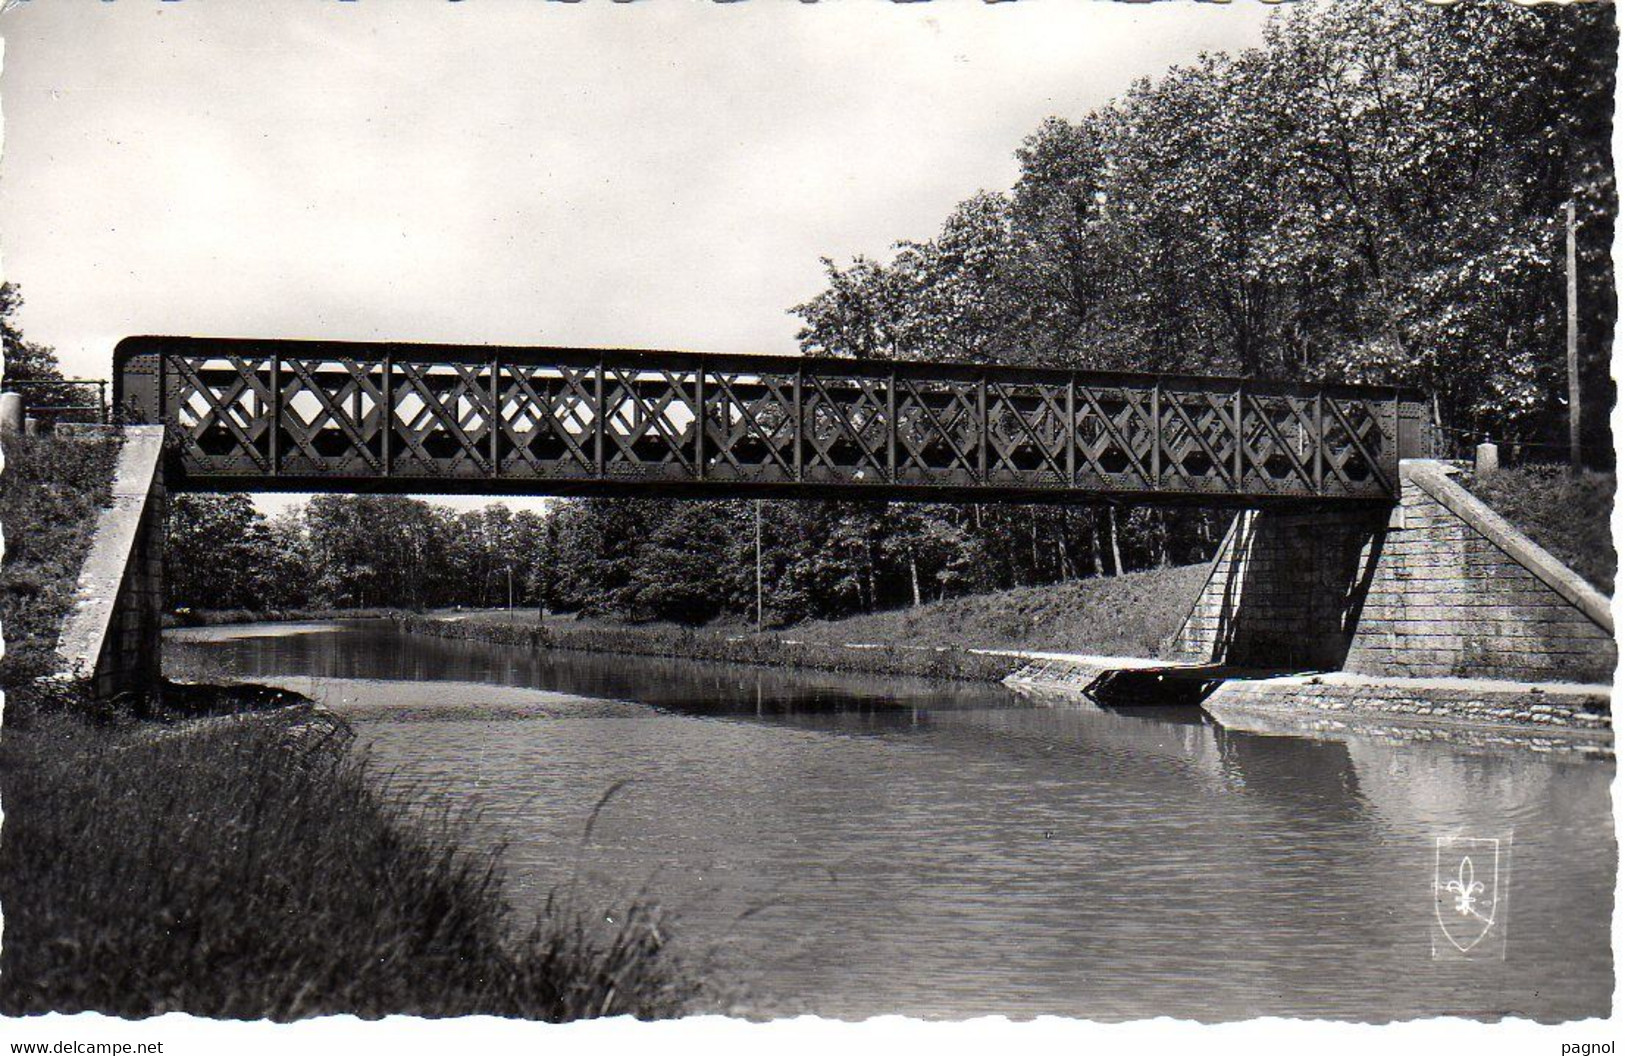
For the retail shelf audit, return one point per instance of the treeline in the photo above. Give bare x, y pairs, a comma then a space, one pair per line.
694, 562
1376, 194
682, 561
348, 551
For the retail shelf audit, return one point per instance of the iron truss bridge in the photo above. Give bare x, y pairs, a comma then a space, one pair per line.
329, 416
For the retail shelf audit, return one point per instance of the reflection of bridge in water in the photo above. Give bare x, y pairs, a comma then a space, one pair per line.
332, 416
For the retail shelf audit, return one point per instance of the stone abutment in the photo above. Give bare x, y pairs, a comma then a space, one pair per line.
1441, 586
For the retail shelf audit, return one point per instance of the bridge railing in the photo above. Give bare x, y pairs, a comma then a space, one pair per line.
420, 418
57, 401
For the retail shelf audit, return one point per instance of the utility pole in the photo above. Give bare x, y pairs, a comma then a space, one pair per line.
1573, 340
758, 566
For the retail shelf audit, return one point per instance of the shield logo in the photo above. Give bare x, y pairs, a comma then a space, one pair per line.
1466, 888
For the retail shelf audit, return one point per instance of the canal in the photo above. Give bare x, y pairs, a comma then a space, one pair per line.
854, 846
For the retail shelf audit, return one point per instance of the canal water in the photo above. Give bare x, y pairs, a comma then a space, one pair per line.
855, 846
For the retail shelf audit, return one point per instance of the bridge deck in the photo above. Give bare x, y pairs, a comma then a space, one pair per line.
337, 416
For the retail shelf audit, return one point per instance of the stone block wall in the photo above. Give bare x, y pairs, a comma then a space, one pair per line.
1511, 704
1442, 586
1284, 592
112, 636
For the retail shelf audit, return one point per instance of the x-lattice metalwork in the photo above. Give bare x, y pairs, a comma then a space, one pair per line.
335, 416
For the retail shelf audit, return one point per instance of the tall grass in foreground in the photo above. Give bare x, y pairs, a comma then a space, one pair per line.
249, 868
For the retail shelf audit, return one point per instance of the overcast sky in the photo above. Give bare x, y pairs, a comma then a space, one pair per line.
661, 174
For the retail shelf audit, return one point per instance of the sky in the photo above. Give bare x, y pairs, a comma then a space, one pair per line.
660, 174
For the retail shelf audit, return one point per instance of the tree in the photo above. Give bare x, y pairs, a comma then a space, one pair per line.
26, 360
1370, 196
597, 547
375, 550
677, 575
222, 553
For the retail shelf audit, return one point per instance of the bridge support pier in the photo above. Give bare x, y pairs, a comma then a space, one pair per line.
1439, 587
112, 638
1286, 590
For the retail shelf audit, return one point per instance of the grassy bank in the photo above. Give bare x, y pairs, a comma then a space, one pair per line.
664, 640
50, 494
222, 617
1128, 615
263, 871
248, 863
1567, 514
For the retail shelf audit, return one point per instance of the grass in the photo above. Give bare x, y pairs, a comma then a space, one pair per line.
1128, 615
1567, 514
262, 871
50, 493
249, 864
220, 617
1131, 615
665, 640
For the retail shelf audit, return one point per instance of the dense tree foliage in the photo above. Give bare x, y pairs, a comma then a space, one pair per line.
1373, 195
349, 551
686, 562
222, 553
693, 562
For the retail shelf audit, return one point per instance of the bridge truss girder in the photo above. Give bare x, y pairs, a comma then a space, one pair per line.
334, 416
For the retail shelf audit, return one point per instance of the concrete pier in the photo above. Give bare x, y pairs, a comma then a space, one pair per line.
113, 635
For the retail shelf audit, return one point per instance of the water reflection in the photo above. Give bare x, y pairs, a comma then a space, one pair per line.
855, 846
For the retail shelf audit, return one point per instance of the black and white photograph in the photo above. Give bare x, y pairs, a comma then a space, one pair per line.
852, 517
